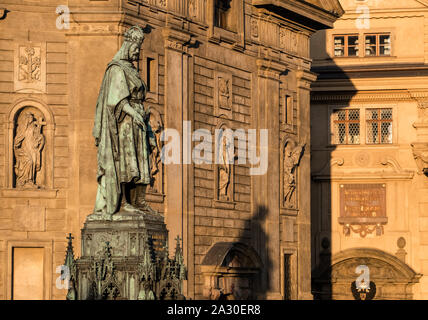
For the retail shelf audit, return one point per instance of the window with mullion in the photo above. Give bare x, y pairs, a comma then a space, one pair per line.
346, 45
377, 44
346, 125
379, 126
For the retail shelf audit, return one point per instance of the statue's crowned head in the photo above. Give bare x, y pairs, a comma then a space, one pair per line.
134, 35
130, 50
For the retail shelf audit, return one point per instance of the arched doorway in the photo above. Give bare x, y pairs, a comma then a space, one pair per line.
390, 277
231, 271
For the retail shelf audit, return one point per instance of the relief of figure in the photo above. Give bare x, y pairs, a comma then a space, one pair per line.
27, 145
292, 156
223, 94
224, 171
122, 134
156, 127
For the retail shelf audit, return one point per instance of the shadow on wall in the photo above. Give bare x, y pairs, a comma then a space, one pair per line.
235, 270
326, 118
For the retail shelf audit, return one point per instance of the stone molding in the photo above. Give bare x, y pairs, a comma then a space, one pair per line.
270, 69
177, 40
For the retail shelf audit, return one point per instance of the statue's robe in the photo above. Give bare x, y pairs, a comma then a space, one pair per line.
123, 146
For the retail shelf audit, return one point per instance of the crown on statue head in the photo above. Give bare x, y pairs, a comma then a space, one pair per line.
134, 34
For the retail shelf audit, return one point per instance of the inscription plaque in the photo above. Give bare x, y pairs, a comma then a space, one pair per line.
363, 205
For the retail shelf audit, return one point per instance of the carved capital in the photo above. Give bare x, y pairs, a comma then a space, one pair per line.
177, 40
306, 78
270, 69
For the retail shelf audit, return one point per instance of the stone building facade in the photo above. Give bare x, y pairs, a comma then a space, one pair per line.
369, 151
208, 64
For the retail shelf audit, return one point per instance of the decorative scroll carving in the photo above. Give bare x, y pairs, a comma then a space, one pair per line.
30, 67
28, 144
420, 153
293, 153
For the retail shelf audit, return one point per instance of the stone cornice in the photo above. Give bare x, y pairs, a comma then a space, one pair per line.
321, 18
402, 95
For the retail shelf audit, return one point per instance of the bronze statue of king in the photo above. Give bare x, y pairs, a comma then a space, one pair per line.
122, 134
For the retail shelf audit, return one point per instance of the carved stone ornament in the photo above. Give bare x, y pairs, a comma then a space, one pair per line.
156, 124
30, 67
292, 155
254, 28
282, 38
420, 153
112, 275
223, 94
28, 144
193, 8
224, 184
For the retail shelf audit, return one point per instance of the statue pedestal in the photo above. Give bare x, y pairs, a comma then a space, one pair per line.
126, 233
126, 258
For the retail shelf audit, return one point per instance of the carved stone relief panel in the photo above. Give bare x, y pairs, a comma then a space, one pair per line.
30, 67
223, 94
157, 127
196, 10
292, 154
224, 167
254, 27
294, 41
28, 145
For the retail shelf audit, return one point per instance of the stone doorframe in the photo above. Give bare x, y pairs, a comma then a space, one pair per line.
392, 277
231, 271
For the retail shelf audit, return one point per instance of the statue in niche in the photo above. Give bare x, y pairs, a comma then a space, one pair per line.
27, 145
122, 134
224, 171
292, 156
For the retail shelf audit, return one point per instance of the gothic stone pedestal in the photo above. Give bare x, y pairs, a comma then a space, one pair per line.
126, 258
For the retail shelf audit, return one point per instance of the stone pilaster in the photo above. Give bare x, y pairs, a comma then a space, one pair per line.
304, 79
178, 184
267, 187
